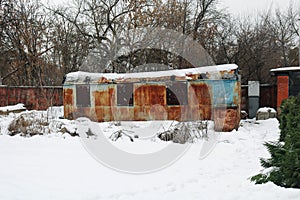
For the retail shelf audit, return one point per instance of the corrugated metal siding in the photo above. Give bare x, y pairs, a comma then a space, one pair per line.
37, 98
206, 99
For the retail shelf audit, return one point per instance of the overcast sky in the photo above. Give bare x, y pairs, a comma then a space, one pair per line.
238, 7
245, 7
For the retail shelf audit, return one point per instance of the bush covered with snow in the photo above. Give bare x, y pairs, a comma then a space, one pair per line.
185, 132
30, 123
283, 168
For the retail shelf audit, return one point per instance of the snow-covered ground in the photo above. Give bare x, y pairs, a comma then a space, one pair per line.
57, 166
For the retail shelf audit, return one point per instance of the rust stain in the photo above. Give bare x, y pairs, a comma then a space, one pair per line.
237, 90
205, 112
147, 95
141, 95
231, 72
200, 112
226, 119
201, 93
174, 113
141, 113
68, 96
150, 103
104, 97
193, 76
178, 113
158, 112
123, 113
157, 95
68, 103
103, 114
154, 112
238, 101
103, 80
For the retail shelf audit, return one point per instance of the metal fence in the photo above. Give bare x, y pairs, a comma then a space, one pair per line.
267, 97
34, 98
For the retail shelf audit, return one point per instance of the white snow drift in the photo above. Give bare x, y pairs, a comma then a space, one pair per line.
56, 166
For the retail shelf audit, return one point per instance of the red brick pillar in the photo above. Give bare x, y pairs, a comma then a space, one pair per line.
282, 89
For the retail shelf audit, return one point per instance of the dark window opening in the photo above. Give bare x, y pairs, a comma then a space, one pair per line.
294, 83
125, 94
83, 98
177, 93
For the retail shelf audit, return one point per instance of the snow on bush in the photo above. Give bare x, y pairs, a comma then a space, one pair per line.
30, 123
183, 132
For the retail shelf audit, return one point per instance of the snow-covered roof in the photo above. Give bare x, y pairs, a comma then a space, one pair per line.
211, 72
283, 69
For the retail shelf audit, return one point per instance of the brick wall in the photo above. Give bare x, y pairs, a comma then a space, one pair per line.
282, 89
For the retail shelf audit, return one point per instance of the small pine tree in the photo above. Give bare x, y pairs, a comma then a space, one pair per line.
284, 163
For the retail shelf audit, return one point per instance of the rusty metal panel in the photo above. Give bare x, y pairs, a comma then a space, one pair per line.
149, 94
200, 112
69, 106
165, 98
227, 105
141, 113
150, 102
157, 95
122, 113
103, 95
104, 114
216, 92
158, 112
200, 93
226, 119
103, 101
3, 96
33, 95
141, 95
38, 98
154, 112
178, 113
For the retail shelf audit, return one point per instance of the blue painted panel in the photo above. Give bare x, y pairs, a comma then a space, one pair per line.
223, 91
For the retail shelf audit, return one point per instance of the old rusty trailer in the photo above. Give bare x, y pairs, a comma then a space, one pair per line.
204, 93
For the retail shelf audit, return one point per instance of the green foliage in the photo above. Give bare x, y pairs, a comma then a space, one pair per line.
284, 163
260, 178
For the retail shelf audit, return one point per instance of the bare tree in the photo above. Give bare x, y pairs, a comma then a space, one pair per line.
283, 27
26, 43
101, 22
258, 52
